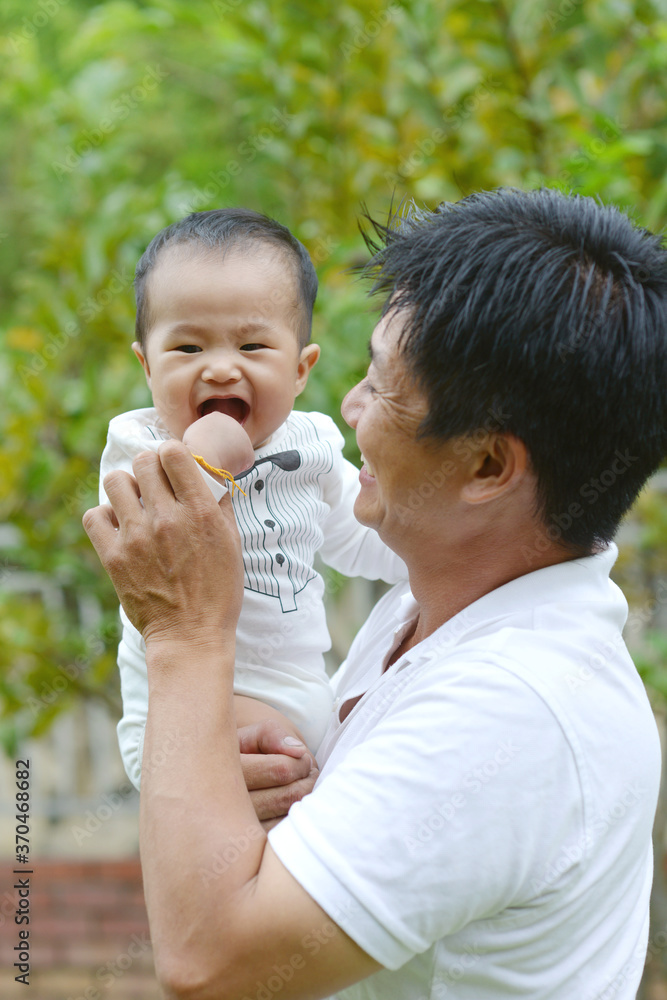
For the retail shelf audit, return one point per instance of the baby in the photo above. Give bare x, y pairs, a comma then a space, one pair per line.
224, 311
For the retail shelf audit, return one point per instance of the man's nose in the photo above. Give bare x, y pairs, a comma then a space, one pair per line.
351, 406
221, 366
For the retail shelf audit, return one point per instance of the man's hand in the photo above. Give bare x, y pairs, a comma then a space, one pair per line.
173, 554
277, 772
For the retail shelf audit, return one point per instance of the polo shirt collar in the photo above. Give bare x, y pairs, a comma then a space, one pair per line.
584, 580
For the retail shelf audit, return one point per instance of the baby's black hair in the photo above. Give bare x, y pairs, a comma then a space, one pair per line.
219, 231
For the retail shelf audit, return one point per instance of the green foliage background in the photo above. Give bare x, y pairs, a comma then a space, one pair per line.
120, 117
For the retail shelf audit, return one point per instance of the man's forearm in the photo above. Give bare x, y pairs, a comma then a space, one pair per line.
224, 911
201, 843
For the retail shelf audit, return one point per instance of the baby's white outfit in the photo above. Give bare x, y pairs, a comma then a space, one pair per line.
298, 500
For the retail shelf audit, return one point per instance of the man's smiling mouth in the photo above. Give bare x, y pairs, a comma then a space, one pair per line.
364, 462
230, 405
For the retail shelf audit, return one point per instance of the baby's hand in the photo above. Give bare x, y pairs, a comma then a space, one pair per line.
277, 771
222, 442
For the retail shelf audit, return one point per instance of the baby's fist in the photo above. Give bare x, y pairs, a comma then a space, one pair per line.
221, 441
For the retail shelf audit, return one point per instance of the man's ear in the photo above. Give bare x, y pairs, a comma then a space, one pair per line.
498, 464
136, 347
308, 357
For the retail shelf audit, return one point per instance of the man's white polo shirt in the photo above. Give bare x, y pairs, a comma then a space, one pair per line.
482, 822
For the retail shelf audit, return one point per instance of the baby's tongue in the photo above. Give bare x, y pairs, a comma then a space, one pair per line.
232, 407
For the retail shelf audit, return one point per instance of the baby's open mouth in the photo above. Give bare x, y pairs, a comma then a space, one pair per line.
231, 405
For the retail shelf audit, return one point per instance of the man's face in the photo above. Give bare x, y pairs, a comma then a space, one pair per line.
405, 482
223, 337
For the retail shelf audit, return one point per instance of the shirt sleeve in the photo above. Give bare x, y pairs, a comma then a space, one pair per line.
399, 842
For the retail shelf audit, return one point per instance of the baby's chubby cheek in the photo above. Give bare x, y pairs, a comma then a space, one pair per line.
221, 441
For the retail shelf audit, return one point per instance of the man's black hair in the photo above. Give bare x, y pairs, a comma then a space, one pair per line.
545, 316
216, 232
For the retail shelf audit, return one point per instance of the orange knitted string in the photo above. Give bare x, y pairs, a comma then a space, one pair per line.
218, 472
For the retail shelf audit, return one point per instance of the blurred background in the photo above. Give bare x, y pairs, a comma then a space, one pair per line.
118, 118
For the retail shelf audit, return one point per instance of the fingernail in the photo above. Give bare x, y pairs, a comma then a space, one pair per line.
292, 742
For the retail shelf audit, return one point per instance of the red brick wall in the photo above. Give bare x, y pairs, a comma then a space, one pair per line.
88, 931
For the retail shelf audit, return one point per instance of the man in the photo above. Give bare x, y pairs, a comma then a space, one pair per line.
482, 823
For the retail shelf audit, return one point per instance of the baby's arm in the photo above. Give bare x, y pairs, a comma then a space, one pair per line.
349, 547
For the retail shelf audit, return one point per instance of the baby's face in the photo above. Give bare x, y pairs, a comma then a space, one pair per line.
223, 337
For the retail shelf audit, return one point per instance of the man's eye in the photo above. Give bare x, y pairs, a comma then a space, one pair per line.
188, 348
253, 347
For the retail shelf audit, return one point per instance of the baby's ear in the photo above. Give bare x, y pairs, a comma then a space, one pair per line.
308, 357
136, 347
